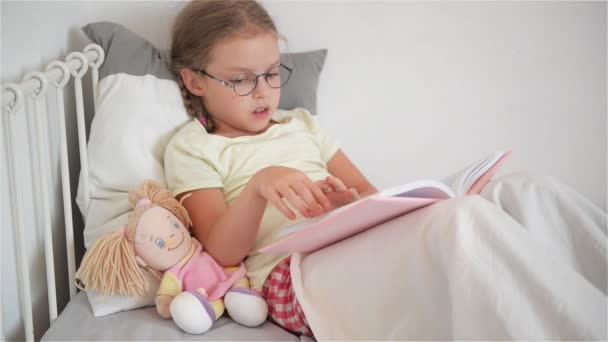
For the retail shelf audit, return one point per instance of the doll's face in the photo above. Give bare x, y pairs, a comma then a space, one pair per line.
161, 240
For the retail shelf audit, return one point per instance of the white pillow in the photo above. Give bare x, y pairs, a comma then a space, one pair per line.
135, 118
106, 305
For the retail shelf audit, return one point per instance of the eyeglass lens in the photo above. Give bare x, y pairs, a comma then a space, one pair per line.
275, 77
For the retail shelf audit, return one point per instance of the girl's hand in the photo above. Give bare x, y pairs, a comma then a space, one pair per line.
337, 193
277, 182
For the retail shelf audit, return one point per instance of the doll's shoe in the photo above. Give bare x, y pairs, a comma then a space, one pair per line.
192, 312
246, 306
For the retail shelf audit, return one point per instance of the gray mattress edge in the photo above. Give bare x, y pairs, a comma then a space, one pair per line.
77, 322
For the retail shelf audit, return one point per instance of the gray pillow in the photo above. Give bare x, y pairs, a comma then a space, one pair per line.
129, 53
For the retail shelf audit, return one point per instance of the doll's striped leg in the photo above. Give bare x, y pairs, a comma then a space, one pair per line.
194, 313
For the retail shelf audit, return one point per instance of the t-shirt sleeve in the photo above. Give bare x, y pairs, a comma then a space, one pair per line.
327, 144
187, 169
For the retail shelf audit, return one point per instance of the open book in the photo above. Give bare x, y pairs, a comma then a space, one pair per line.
315, 233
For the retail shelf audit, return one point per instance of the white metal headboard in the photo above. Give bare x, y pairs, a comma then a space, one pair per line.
35, 85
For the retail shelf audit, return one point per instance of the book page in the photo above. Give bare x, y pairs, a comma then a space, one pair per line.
487, 174
298, 226
479, 170
425, 188
462, 181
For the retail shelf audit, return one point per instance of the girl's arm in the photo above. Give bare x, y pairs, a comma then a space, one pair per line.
342, 168
228, 233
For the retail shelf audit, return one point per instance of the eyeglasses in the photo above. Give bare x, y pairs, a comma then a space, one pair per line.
245, 83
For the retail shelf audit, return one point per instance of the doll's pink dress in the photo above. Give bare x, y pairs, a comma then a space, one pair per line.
199, 271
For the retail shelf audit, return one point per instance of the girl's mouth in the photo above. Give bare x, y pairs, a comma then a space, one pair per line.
262, 114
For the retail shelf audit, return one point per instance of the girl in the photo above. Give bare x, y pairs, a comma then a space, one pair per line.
239, 154
250, 170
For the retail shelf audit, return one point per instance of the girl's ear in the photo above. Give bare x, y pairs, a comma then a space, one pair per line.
140, 261
193, 81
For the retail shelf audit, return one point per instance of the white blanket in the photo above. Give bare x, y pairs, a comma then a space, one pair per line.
525, 260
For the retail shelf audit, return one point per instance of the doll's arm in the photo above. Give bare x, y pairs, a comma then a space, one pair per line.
170, 286
242, 282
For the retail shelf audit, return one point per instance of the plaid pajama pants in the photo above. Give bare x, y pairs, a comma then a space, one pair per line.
283, 306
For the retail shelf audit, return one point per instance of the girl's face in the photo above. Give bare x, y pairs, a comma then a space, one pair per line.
233, 114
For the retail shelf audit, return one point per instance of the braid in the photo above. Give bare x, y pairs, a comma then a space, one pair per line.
186, 98
194, 106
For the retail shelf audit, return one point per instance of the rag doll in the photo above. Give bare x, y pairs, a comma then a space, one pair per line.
194, 289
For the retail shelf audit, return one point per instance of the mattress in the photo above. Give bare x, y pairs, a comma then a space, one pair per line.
76, 322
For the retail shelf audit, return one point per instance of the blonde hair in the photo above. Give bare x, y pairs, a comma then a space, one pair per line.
110, 266
199, 27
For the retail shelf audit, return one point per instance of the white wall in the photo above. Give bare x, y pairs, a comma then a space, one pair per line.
417, 90
411, 90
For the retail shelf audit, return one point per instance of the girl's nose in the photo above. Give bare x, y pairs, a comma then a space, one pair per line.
261, 89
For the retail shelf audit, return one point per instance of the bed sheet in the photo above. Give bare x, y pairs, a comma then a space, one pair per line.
77, 322
526, 260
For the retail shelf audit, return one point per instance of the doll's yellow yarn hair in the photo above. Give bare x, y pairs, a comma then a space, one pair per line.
158, 196
109, 266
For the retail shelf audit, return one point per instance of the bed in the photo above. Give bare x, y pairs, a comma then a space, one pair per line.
537, 272
145, 325
114, 60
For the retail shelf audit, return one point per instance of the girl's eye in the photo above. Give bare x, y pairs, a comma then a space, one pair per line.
239, 78
160, 243
175, 224
244, 78
272, 77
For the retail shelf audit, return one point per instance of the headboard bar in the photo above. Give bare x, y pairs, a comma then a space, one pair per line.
45, 168
34, 85
53, 75
23, 273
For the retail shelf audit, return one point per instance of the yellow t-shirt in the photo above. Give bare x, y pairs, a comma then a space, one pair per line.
195, 159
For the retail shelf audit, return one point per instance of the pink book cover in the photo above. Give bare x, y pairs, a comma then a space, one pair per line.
313, 234
346, 221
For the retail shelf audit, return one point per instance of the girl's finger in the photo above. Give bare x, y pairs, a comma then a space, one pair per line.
308, 198
336, 183
319, 194
295, 200
277, 201
341, 197
344, 197
325, 187
355, 193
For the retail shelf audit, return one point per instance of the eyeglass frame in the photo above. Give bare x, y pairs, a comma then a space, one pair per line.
233, 84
